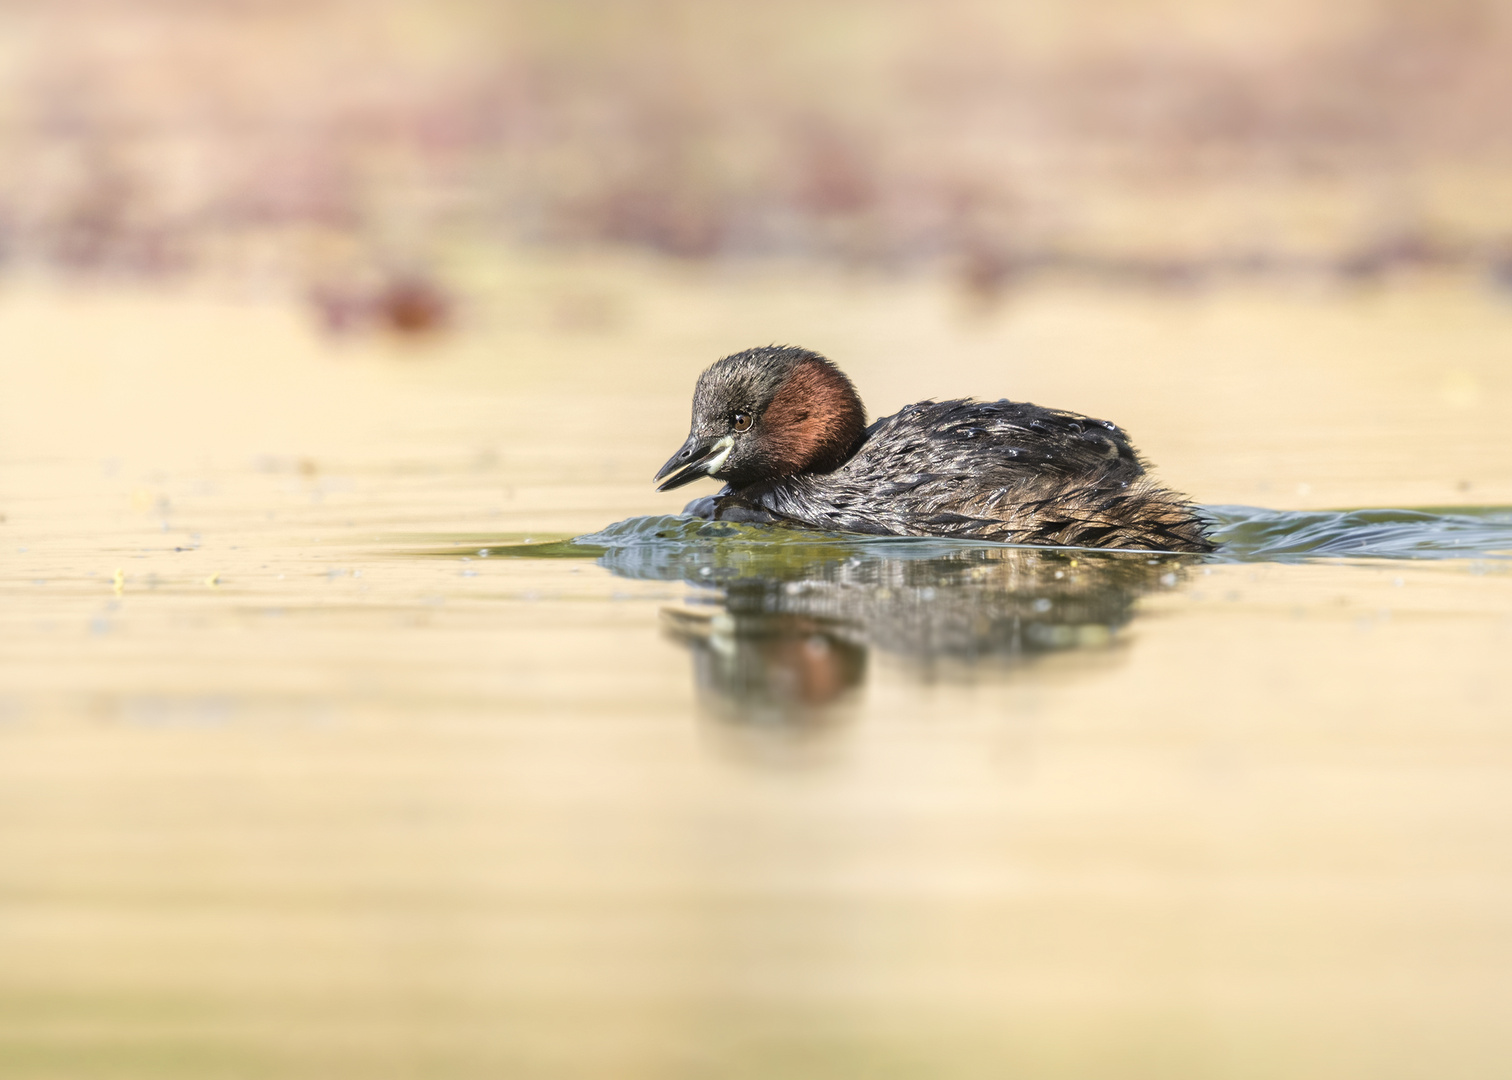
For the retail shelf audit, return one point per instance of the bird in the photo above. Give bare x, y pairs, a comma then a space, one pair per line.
786, 431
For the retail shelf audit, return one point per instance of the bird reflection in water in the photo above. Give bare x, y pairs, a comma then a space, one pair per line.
770, 667
783, 633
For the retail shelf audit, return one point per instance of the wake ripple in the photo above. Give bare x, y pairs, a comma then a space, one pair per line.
1244, 533
1252, 534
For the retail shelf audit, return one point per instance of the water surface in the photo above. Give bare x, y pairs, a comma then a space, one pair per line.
326, 750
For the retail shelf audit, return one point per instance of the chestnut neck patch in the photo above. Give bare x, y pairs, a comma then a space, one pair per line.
815, 421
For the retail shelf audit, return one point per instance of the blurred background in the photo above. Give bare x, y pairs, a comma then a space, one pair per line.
1166, 143
317, 318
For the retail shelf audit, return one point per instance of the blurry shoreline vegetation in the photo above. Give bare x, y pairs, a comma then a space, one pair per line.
1162, 143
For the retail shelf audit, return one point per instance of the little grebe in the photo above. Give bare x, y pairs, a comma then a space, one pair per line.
787, 432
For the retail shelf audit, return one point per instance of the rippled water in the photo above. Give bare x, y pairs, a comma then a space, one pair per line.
1250, 534
1243, 533
340, 736
788, 616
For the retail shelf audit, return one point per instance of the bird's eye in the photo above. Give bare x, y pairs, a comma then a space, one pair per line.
741, 421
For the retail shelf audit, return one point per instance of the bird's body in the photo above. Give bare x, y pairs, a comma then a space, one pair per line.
1000, 471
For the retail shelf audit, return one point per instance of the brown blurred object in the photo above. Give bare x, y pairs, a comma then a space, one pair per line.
986, 274
412, 306
409, 305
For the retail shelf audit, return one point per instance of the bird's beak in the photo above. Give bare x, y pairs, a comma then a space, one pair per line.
701, 455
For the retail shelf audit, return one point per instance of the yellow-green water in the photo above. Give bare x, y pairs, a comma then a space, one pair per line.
286, 793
